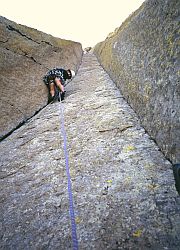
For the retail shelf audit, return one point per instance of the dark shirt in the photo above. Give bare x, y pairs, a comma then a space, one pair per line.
56, 72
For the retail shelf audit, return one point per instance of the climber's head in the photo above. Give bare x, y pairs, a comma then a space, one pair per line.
71, 73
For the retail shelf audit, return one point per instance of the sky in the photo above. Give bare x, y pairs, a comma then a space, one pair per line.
86, 21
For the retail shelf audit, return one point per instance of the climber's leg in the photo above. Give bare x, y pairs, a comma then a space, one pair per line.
59, 84
52, 89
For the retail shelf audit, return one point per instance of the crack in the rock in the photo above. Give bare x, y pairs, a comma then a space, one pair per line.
21, 123
47, 43
26, 142
118, 129
19, 32
29, 38
94, 108
13, 173
4, 41
31, 57
11, 28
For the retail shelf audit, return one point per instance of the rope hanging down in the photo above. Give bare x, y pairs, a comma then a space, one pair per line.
71, 205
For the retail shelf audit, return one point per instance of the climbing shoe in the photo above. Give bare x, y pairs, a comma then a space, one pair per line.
62, 96
54, 98
50, 99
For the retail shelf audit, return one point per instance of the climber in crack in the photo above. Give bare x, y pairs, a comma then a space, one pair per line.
55, 79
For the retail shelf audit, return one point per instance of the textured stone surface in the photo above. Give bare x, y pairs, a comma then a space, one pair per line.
25, 56
142, 58
123, 186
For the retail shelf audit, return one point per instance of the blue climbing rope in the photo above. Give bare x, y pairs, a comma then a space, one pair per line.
71, 205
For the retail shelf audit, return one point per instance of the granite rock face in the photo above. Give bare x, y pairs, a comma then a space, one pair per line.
142, 58
123, 186
25, 56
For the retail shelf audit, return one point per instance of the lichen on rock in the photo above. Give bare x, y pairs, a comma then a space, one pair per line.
142, 58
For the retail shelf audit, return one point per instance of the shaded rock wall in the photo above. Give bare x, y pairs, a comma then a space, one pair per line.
25, 56
142, 58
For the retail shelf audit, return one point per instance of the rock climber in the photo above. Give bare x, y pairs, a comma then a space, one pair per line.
55, 80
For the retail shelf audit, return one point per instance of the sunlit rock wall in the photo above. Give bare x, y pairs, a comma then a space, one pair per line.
142, 58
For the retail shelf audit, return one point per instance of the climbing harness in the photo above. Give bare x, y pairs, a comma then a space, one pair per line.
71, 205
